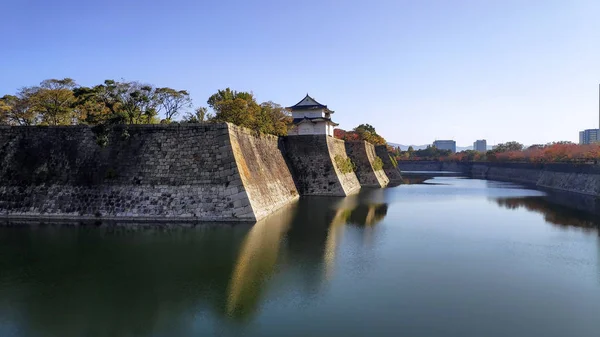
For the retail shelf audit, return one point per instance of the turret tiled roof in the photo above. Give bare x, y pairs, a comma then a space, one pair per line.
308, 103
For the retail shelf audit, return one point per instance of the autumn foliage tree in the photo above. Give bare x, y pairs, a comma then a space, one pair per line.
241, 108
549, 153
364, 132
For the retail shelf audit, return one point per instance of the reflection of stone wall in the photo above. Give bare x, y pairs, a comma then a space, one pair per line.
203, 171
311, 158
363, 155
391, 171
122, 280
553, 211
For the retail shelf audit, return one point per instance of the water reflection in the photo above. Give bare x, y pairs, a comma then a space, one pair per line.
553, 213
113, 281
256, 262
313, 268
124, 279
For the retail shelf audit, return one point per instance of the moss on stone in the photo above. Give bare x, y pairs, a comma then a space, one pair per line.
377, 164
345, 165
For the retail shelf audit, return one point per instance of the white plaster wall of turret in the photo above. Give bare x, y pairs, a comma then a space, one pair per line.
308, 113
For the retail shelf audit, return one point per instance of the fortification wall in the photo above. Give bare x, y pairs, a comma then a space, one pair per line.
348, 180
263, 169
312, 162
575, 178
363, 156
145, 172
413, 165
390, 168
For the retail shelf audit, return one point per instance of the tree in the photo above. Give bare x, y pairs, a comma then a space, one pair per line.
199, 116
367, 132
241, 108
509, 146
237, 111
17, 109
123, 102
4, 110
140, 103
365, 127
273, 119
90, 108
171, 101
339, 133
410, 151
228, 95
431, 152
53, 101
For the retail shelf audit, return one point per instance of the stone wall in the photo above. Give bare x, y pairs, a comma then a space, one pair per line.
348, 180
264, 172
145, 172
363, 156
430, 165
575, 178
413, 165
578, 178
312, 162
390, 169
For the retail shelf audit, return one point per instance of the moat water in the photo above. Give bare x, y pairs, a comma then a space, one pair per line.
445, 257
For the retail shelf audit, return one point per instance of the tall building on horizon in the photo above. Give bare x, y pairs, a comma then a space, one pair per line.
445, 145
480, 145
589, 136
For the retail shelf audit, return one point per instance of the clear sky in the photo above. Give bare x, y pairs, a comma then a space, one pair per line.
420, 70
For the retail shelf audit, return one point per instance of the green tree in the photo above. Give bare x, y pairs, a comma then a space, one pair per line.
509, 146
274, 119
238, 111
241, 108
123, 103
228, 95
198, 116
366, 127
140, 104
367, 132
90, 108
171, 101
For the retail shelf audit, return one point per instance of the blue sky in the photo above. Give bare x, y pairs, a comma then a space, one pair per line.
524, 70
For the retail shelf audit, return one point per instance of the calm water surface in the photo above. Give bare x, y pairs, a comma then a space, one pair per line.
451, 257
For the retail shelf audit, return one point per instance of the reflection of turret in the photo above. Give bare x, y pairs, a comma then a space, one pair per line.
365, 209
368, 215
554, 214
256, 262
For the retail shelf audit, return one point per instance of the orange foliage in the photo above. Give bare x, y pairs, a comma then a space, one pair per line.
339, 133
348, 136
551, 153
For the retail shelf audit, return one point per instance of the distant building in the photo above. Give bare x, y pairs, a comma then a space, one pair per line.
445, 145
311, 118
589, 136
480, 145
